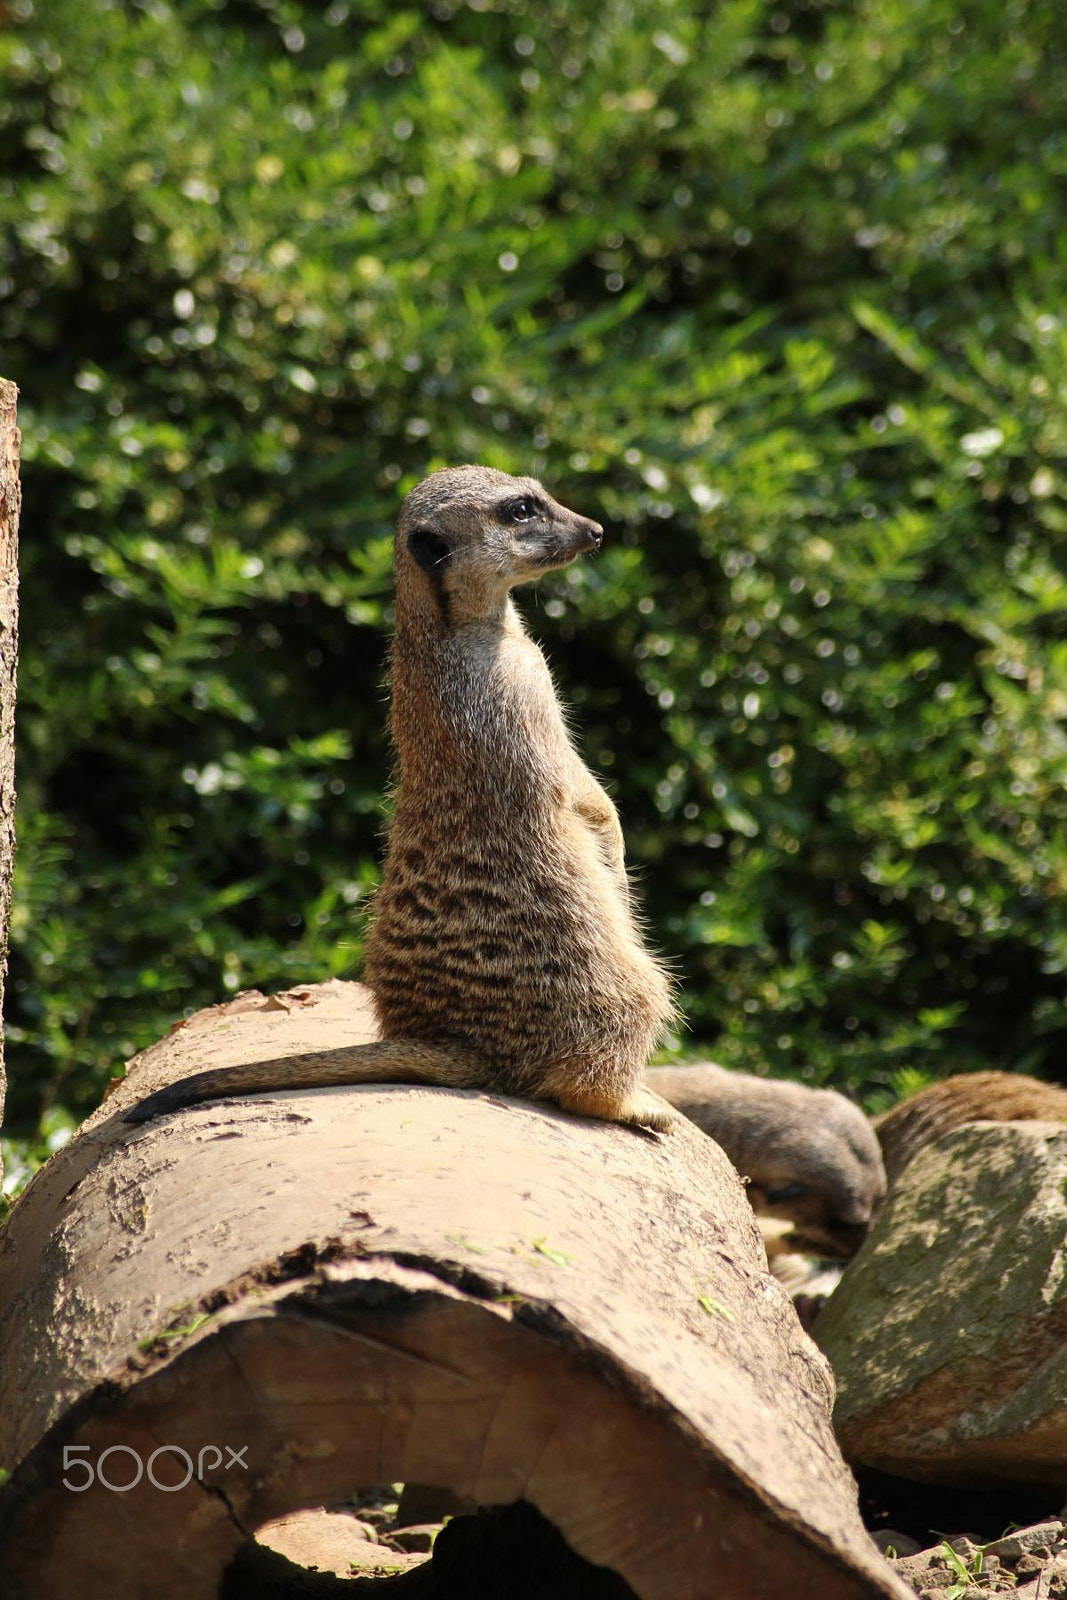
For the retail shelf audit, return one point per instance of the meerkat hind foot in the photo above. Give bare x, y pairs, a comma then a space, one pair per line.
646, 1110
639, 1109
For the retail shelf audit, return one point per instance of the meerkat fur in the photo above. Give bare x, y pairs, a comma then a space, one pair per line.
924, 1117
811, 1158
503, 951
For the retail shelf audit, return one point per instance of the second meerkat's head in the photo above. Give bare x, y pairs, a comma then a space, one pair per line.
473, 533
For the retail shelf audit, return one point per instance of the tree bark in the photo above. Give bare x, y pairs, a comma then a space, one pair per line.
355, 1286
10, 503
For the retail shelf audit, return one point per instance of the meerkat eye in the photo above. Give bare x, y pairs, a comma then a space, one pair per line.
786, 1191
519, 510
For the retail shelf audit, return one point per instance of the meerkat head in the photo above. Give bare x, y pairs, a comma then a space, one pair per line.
810, 1157
473, 533
823, 1175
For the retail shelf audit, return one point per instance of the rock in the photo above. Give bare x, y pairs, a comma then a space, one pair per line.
1050, 1584
922, 1568
948, 1334
334, 1542
1022, 1541
1051, 1572
418, 1538
901, 1543
1006, 1566
379, 1519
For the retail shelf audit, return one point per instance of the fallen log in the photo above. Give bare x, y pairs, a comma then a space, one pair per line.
253, 1307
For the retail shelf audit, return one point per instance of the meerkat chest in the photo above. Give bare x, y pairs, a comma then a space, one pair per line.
499, 716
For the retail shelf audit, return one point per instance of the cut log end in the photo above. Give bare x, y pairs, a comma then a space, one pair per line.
370, 1373
385, 1374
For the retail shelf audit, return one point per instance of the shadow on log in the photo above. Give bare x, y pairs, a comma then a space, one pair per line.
257, 1306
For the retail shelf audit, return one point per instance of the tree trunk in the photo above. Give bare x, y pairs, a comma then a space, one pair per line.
10, 502
347, 1287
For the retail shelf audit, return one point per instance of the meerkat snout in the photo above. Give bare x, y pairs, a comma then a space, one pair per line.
544, 534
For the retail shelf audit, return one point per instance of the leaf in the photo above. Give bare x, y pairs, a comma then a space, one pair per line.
714, 1308
557, 1257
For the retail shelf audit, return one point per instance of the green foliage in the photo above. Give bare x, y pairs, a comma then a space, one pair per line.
966, 1573
774, 291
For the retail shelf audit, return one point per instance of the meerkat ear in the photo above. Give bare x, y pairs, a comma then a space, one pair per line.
428, 549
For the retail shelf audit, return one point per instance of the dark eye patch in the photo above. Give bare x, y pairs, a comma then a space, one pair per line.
786, 1191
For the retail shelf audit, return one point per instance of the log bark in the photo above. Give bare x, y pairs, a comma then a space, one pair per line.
10, 504
362, 1285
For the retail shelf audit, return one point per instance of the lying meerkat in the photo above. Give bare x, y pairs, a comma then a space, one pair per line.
503, 953
909, 1127
811, 1157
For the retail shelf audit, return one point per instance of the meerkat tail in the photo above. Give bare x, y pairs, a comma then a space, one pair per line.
384, 1061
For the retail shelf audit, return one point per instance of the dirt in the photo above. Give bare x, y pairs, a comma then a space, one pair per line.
1030, 1562
1011, 1548
957, 1544
510, 1550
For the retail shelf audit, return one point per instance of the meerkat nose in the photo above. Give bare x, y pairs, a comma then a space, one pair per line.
596, 533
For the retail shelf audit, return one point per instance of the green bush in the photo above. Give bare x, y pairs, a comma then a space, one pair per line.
773, 290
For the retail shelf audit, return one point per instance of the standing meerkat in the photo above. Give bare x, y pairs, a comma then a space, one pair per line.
503, 953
